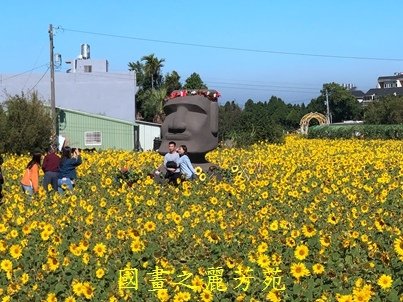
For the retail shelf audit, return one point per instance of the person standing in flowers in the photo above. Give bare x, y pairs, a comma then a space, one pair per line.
30, 178
186, 168
50, 167
70, 160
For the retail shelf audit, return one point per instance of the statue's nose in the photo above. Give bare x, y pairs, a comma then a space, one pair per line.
178, 122
177, 125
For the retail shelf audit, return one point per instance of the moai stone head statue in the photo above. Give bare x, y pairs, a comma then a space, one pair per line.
191, 120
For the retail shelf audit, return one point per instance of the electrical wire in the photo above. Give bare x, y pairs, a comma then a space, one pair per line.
262, 89
263, 85
36, 61
233, 48
29, 90
19, 74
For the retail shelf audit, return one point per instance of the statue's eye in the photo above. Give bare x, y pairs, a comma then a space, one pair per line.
170, 109
195, 108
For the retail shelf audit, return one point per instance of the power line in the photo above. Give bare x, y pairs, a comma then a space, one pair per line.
40, 79
19, 74
264, 85
233, 48
262, 89
36, 61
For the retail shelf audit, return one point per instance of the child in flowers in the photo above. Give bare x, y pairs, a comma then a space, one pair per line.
30, 178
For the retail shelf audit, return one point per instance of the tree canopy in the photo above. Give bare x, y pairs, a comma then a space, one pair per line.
386, 110
25, 124
342, 104
194, 82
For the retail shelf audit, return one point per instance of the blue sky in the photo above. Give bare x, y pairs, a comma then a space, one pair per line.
240, 39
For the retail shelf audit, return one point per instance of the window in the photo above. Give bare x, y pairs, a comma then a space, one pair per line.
87, 68
390, 85
93, 138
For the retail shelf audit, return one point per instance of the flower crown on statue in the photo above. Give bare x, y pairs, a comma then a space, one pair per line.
211, 94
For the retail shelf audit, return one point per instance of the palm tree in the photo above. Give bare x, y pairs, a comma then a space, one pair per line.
138, 68
152, 67
153, 104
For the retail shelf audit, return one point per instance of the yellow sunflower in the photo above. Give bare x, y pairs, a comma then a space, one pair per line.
100, 273
234, 169
137, 246
308, 230
198, 170
6, 265
206, 296
301, 252
385, 282
52, 263
88, 290
51, 297
318, 268
100, 249
24, 278
149, 226
398, 246
202, 176
163, 295
299, 270
16, 251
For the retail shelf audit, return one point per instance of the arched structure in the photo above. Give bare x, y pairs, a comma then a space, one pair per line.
304, 123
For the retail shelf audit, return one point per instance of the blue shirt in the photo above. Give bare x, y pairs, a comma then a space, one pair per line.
68, 166
186, 166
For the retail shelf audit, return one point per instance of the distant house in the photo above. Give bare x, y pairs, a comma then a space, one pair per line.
149, 135
391, 81
387, 85
358, 94
91, 131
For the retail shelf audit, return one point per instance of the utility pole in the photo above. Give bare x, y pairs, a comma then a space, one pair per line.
327, 108
52, 81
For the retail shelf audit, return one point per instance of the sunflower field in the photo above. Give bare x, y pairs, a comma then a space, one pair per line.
308, 220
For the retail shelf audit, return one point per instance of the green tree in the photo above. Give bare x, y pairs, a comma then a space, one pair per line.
153, 107
149, 78
138, 68
255, 124
386, 110
3, 128
28, 124
317, 105
152, 70
194, 82
343, 105
278, 111
172, 82
228, 119
294, 116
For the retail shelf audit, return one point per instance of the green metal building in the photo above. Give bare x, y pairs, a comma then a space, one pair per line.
84, 130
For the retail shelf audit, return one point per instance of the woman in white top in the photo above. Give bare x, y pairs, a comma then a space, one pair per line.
185, 165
